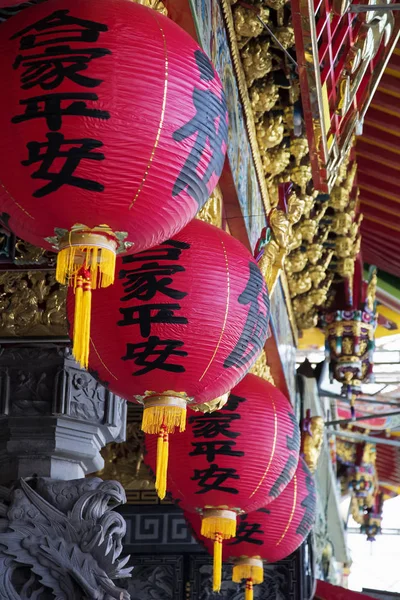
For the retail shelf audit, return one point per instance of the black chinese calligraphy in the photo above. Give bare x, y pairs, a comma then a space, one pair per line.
72, 152
150, 313
212, 449
234, 402
214, 478
53, 108
246, 532
153, 354
293, 440
48, 70
308, 504
142, 283
209, 126
37, 34
168, 250
46, 60
285, 476
255, 329
212, 425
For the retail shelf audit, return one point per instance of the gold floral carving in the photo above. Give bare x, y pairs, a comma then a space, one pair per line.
262, 369
311, 442
212, 406
212, 210
155, 4
124, 461
32, 303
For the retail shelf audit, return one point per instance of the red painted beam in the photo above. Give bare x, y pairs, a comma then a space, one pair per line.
382, 138
381, 171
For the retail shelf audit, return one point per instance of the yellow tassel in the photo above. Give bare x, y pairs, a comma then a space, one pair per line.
99, 261
170, 417
162, 463
247, 570
83, 306
217, 567
215, 522
249, 590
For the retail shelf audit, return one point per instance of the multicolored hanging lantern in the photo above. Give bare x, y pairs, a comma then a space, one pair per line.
118, 129
350, 341
233, 461
183, 323
268, 534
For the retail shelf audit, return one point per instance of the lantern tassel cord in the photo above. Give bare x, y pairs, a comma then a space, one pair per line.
249, 595
162, 462
83, 307
84, 267
217, 567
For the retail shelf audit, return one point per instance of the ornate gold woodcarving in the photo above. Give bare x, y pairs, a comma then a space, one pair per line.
124, 462
32, 304
212, 210
28, 254
257, 61
212, 406
155, 4
311, 441
262, 369
246, 23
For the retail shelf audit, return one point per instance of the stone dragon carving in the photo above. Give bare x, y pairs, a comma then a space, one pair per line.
62, 540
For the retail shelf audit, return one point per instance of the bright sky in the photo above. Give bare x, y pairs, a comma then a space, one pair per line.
377, 565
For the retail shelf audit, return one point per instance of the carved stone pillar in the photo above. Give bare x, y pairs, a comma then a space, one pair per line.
54, 417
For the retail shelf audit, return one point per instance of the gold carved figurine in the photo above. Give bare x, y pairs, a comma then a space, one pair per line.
264, 94
295, 262
339, 198
246, 23
256, 60
299, 284
285, 35
275, 161
341, 222
301, 176
270, 131
299, 149
276, 4
312, 438
345, 267
295, 208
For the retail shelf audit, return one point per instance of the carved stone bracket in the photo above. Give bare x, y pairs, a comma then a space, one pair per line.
54, 417
62, 540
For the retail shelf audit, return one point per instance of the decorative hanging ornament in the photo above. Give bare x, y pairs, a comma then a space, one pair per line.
233, 461
183, 323
268, 534
118, 128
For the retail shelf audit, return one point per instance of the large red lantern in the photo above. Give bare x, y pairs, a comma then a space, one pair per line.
268, 534
182, 324
233, 461
113, 134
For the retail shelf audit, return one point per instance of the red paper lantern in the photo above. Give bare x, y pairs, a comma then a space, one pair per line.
183, 323
113, 132
233, 461
268, 534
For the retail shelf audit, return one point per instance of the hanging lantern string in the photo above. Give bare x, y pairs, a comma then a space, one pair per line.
249, 594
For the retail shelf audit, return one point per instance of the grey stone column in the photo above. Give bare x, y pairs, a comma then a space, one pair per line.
59, 536
54, 417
